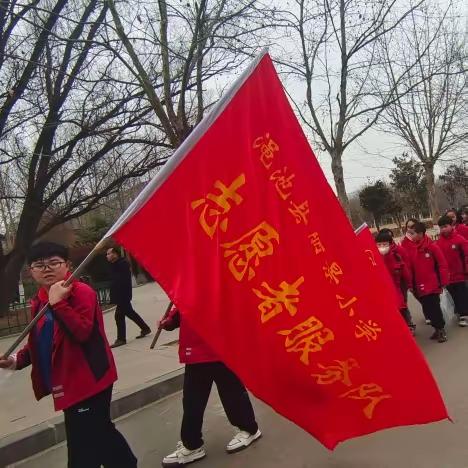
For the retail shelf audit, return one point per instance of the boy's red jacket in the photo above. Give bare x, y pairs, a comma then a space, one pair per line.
402, 253
408, 247
192, 349
400, 273
82, 361
455, 249
429, 268
462, 230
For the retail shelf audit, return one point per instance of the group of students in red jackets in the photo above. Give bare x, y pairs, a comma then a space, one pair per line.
425, 267
71, 358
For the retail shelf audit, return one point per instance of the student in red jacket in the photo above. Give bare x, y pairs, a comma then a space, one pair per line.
457, 222
408, 243
408, 246
399, 272
202, 368
399, 249
72, 361
429, 276
462, 227
455, 249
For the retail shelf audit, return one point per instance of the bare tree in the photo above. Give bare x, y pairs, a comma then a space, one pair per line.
14, 50
77, 112
333, 51
431, 118
82, 107
7, 213
196, 42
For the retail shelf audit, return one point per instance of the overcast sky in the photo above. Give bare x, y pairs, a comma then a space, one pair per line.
370, 157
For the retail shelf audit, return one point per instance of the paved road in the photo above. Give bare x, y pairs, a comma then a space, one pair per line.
153, 431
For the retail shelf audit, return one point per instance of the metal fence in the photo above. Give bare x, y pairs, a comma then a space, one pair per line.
18, 315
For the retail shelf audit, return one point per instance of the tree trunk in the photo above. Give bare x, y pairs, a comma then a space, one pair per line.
337, 169
398, 222
10, 269
377, 223
11, 264
431, 192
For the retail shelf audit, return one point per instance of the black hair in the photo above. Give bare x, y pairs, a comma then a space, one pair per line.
411, 220
457, 214
384, 235
115, 250
387, 230
43, 250
444, 220
420, 228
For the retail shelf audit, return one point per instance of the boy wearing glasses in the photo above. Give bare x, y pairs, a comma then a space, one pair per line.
72, 361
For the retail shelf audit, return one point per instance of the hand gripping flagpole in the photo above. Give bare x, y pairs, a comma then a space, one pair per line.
74, 274
160, 328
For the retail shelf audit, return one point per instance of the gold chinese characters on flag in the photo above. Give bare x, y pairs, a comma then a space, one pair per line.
246, 237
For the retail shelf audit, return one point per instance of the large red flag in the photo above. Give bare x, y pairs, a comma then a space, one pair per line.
244, 234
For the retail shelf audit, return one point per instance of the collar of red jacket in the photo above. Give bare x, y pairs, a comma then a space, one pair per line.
449, 237
43, 294
424, 242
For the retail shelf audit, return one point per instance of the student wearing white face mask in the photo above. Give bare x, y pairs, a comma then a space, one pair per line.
399, 272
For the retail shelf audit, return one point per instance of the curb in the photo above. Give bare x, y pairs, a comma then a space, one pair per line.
28, 442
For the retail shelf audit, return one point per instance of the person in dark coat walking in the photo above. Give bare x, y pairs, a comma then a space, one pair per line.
121, 295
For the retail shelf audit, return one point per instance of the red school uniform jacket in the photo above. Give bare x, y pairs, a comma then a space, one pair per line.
462, 230
192, 349
399, 272
82, 361
408, 247
455, 250
429, 268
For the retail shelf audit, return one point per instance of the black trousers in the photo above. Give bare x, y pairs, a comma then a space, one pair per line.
405, 313
432, 310
92, 439
198, 381
459, 293
125, 309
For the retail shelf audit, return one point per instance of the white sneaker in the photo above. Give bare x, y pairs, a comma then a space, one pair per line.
463, 322
183, 456
242, 440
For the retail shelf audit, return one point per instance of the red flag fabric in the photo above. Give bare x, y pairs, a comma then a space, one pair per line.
244, 234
